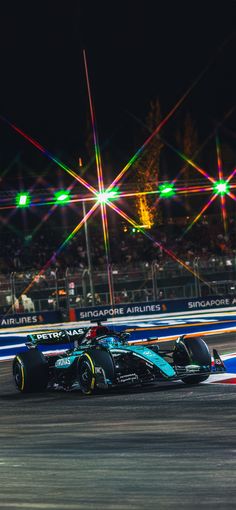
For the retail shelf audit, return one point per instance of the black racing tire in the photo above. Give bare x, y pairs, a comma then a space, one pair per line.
87, 363
196, 352
30, 371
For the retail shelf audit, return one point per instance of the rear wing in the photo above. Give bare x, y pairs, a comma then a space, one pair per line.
56, 337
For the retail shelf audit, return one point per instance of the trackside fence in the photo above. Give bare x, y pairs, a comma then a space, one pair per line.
140, 285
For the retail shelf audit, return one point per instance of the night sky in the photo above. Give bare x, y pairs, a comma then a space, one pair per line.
136, 51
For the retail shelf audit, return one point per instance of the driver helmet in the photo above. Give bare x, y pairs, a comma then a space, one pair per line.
95, 331
109, 342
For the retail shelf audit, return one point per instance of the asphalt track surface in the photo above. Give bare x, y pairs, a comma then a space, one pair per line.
164, 447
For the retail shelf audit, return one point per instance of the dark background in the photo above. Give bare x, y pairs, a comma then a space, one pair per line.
136, 51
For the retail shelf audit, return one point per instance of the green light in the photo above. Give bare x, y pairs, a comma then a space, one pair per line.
62, 197
167, 190
105, 196
23, 199
221, 187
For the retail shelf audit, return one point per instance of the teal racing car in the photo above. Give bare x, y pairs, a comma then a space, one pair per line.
103, 359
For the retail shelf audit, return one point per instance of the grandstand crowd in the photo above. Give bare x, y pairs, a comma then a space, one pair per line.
128, 247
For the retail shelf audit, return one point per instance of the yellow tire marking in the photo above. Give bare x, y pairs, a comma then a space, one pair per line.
93, 372
22, 373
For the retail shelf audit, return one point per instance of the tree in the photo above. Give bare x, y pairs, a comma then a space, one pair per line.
147, 168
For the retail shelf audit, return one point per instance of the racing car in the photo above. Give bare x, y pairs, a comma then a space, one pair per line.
100, 358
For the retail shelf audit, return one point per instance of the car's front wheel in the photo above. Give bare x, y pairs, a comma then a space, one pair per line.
95, 368
86, 374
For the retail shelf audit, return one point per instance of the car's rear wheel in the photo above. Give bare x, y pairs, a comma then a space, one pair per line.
30, 371
193, 351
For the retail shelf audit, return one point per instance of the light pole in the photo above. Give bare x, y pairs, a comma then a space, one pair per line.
89, 258
88, 247
196, 279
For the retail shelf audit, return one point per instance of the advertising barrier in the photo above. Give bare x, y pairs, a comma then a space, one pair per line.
155, 307
30, 319
121, 310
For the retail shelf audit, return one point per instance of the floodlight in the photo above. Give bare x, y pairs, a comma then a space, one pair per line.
62, 196
167, 190
23, 199
104, 196
221, 187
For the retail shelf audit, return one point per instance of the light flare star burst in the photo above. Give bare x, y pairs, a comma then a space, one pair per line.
220, 187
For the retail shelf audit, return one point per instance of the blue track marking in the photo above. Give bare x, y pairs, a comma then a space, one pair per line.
177, 327
10, 351
230, 364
